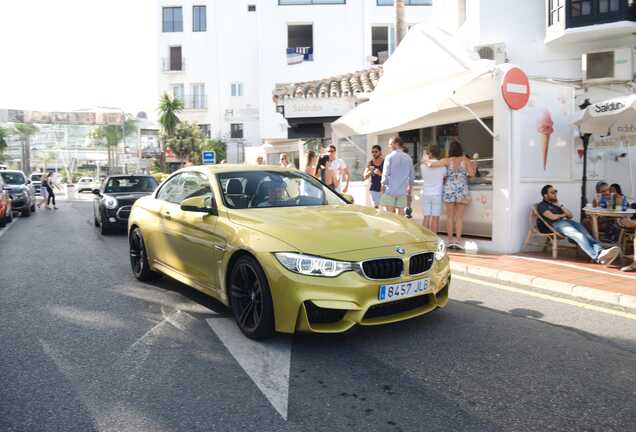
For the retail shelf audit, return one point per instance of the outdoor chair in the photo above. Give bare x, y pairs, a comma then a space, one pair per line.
551, 239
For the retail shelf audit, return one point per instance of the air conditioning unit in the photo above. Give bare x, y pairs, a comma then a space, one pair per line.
607, 66
494, 51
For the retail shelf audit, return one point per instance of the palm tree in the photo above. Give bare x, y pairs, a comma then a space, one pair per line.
4, 133
111, 135
400, 23
187, 141
168, 108
26, 131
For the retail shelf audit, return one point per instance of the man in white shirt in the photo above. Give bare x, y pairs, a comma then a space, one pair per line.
432, 189
341, 169
397, 178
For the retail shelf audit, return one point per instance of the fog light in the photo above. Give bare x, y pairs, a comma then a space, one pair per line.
112, 219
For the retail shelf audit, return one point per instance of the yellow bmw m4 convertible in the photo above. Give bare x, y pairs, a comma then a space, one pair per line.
285, 252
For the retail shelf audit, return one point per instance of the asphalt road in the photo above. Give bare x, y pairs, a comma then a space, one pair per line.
84, 346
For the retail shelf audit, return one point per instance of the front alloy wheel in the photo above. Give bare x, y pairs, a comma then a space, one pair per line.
250, 299
139, 258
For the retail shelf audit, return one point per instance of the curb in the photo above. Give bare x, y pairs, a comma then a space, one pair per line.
558, 287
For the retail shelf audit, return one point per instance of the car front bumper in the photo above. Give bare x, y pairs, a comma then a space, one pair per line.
334, 305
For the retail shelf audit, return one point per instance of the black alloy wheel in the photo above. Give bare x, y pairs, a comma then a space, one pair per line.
26, 212
250, 299
139, 258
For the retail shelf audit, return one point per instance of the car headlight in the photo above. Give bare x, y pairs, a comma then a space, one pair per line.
110, 202
440, 253
312, 265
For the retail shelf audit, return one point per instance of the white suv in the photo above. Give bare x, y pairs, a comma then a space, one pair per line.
86, 184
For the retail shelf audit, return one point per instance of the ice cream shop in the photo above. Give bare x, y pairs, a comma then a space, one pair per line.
518, 130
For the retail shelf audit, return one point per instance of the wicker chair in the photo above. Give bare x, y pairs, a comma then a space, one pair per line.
551, 239
626, 240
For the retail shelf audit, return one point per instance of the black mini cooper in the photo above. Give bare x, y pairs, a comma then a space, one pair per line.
115, 198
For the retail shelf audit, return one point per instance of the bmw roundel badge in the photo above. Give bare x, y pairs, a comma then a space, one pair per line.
400, 250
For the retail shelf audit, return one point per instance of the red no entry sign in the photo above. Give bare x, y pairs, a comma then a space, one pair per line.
515, 88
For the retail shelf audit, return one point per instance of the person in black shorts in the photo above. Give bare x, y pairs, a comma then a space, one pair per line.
560, 218
374, 170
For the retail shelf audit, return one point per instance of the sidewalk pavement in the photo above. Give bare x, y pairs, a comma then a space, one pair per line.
571, 277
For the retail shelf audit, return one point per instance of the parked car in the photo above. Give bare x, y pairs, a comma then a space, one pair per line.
115, 198
86, 184
286, 253
36, 182
6, 211
21, 191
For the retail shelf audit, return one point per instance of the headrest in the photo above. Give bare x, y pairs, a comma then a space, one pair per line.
234, 187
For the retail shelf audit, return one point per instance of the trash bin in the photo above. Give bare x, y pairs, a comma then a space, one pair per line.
70, 191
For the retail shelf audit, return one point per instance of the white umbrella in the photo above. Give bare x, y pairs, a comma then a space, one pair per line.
599, 118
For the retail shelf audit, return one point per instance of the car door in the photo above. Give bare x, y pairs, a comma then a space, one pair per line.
192, 234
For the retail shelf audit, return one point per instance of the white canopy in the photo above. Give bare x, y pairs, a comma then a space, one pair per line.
600, 117
423, 73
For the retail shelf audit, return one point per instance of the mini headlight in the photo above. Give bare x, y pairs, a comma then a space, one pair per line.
110, 202
440, 253
312, 265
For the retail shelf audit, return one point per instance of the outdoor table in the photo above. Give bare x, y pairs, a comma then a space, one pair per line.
596, 212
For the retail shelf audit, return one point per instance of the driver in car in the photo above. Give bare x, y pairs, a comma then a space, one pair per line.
276, 196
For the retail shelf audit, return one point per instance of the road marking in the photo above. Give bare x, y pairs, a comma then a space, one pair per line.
549, 297
7, 227
266, 363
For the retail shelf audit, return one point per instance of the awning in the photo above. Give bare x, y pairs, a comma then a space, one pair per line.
600, 117
425, 71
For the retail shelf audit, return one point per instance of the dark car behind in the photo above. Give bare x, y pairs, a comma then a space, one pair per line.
114, 200
21, 191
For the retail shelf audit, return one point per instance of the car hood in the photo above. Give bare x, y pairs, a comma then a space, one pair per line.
325, 230
17, 188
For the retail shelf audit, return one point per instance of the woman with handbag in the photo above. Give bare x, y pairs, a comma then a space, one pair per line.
456, 194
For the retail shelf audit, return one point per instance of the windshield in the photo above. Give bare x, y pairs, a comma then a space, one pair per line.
130, 184
13, 178
263, 189
36, 177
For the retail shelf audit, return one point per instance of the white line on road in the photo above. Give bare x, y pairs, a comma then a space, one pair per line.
266, 363
6, 228
549, 297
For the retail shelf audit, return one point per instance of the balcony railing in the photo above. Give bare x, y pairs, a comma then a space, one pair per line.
195, 102
173, 65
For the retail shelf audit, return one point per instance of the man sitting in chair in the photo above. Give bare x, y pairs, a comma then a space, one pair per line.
560, 218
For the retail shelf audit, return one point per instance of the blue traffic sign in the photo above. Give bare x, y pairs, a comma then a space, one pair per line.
208, 157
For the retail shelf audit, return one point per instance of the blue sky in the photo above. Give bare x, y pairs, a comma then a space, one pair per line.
72, 54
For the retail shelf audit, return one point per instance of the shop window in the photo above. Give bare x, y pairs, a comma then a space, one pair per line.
251, 8
172, 19
236, 130
300, 43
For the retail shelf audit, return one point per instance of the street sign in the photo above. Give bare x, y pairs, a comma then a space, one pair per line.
516, 88
208, 157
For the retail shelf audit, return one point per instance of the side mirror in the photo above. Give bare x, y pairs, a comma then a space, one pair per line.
348, 198
28, 181
96, 192
200, 204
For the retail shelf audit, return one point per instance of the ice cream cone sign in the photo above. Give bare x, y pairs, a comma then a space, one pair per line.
545, 129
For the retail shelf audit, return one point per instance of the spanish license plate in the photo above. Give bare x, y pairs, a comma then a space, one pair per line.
403, 290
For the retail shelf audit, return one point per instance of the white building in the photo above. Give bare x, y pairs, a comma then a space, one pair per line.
225, 57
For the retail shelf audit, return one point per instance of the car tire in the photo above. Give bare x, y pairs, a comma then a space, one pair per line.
9, 217
3, 221
26, 212
95, 221
139, 257
33, 208
251, 299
